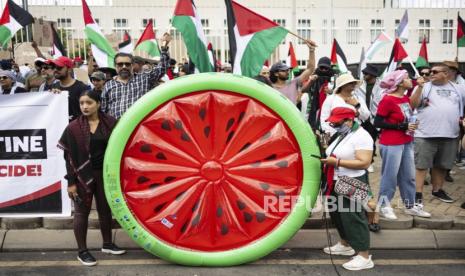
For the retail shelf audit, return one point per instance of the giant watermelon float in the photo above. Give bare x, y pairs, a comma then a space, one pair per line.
196, 170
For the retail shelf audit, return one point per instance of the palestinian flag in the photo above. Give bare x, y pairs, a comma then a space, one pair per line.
460, 32
212, 56
252, 38
13, 19
187, 21
147, 42
422, 60
291, 61
101, 48
338, 58
58, 49
397, 55
126, 46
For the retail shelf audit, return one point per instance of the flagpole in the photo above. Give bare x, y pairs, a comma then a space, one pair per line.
413, 66
304, 39
457, 44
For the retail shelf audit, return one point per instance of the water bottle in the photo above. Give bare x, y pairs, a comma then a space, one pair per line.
411, 120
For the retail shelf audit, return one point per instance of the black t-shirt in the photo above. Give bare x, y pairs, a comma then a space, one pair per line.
17, 90
98, 145
73, 101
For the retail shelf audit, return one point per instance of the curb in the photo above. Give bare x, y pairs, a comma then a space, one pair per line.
42, 239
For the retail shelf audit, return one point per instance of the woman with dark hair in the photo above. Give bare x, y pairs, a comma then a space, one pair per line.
84, 142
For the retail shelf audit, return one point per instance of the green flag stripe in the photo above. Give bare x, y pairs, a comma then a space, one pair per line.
150, 47
99, 41
259, 49
196, 49
461, 42
421, 62
5, 36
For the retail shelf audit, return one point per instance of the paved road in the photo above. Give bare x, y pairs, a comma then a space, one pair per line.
281, 262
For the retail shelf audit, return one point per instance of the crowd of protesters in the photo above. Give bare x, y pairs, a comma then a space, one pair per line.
418, 123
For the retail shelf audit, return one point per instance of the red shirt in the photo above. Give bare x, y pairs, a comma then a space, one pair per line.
395, 111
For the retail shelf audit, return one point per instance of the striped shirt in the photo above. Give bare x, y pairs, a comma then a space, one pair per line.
117, 96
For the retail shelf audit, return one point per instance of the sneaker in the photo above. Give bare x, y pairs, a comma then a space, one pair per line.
358, 263
442, 196
417, 210
112, 249
449, 178
339, 249
371, 169
86, 258
388, 213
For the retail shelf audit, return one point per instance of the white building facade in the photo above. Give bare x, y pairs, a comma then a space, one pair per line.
355, 23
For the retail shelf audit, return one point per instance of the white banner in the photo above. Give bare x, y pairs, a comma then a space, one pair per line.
32, 168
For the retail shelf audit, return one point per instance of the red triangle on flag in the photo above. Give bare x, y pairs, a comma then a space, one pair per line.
423, 50
147, 34
249, 22
334, 53
5, 15
399, 51
291, 55
460, 28
87, 15
184, 7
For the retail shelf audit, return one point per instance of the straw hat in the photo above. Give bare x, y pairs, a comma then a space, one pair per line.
345, 79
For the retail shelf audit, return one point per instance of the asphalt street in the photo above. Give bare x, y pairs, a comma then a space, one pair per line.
281, 262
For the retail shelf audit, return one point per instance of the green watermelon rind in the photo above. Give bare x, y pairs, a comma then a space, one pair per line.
201, 82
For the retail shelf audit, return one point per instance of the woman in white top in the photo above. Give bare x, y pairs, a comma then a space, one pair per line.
343, 96
350, 155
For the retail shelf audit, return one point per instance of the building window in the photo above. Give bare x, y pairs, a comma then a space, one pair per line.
377, 26
145, 22
424, 30
325, 32
353, 31
303, 29
206, 26
302, 62
64, 23
120, 25
447, 30
282, 23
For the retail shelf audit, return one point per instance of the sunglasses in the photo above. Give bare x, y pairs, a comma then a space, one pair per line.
126, 64
434, 72
323, 68
425, 73
95, 79
3, 78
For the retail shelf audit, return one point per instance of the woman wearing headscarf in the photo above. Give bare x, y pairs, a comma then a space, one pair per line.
84, 142
349, 155
395, 118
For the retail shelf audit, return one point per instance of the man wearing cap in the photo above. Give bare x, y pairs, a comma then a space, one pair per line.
8, 85
440, 105
63, 73
98, 81
454, 72
279, 76
48, 73
126, 88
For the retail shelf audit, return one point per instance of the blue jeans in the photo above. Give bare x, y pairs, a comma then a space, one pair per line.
398, 169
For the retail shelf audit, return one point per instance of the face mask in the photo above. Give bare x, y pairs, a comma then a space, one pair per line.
342, 129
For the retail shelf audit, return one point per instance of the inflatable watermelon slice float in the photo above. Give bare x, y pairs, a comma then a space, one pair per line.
211, 170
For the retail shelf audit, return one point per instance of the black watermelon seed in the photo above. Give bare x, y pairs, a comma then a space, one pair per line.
219, 212
184, 227
185, 137
169, 179
245, 146
196, 220
266, 136
279, 193
282, 164
146, 148
159, 207
271, 157
256, 164
142, 179
247, 217
230, 135
178, 124
161, 156
230, 124
202, 113
196, 205
166, 125
224, 229
154, 185
178, 197
241, 116
206, 131
260, 216
240, 205
264, 186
